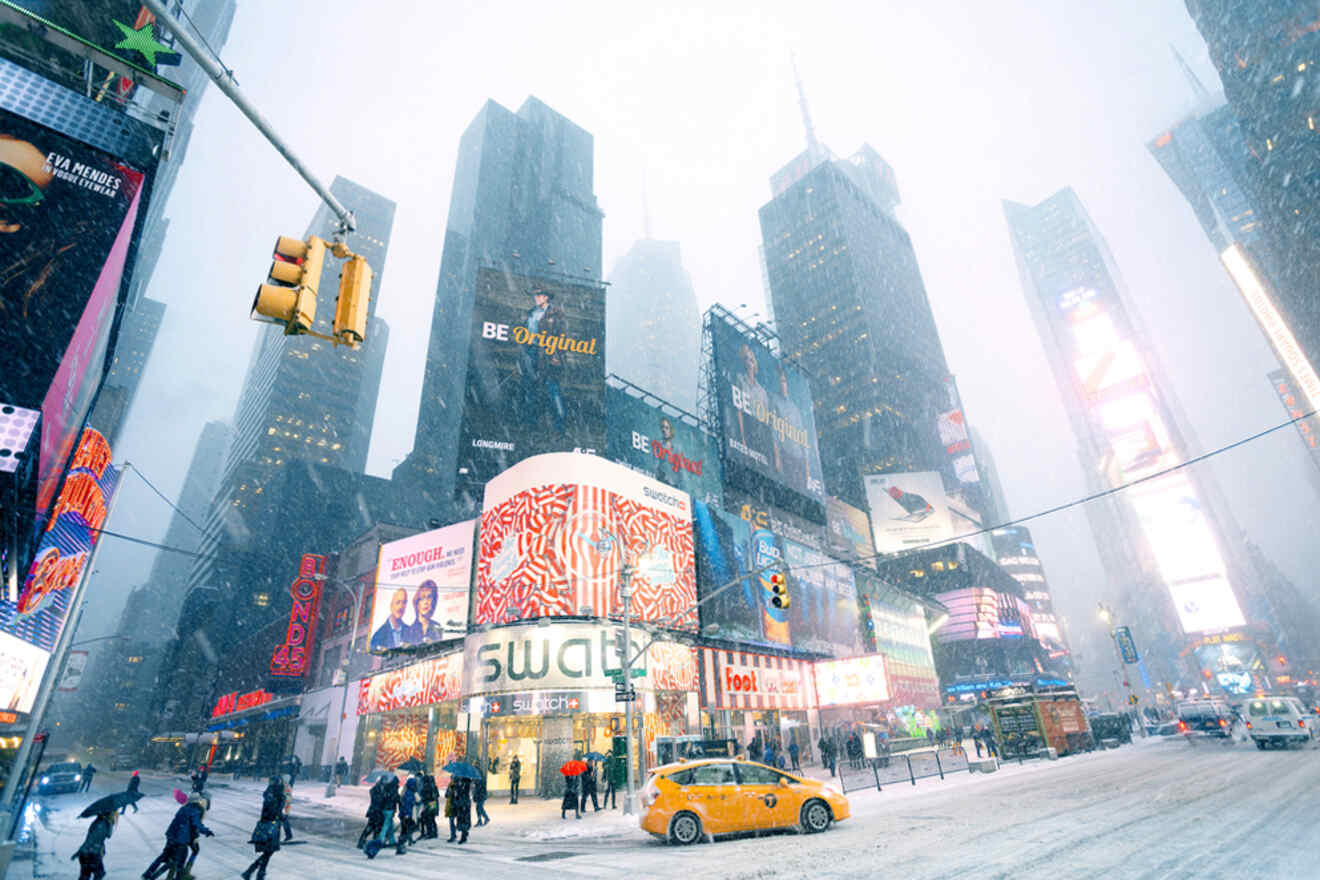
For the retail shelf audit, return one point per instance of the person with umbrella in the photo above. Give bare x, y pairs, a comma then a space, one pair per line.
430, 795
572, 771
479, 797
375, 814
266, 836
462, 807
133, 793
407, 804
450, 791
515, 776
91, 854
589, 786
180, 837
389, 805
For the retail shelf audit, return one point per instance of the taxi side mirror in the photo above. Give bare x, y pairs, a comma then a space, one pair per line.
783, 782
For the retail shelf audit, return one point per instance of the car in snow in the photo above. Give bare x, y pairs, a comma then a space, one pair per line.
687, 801
1280, 722
63, 777
1111, 729
1213, 718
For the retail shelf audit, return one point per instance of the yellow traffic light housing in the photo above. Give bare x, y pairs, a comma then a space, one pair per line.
350, 326
289, 295
779, 590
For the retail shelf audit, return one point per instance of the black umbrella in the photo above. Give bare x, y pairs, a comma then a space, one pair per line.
412, 765
462, 770
110, 803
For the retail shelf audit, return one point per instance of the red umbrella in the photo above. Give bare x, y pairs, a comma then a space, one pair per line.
573, 768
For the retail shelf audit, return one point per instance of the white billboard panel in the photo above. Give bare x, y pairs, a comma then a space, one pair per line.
422, 587
908, 510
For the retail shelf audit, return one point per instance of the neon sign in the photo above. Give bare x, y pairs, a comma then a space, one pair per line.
291, 658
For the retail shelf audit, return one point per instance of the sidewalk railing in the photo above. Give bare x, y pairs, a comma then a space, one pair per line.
901, 767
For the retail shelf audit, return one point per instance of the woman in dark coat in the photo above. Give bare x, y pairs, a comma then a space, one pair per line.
375, 814
407, 806
572, 792
92, 851
462, 807
266, 836
134, 784
430, 794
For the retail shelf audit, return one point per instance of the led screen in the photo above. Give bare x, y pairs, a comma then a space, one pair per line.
559, 530
422, 588
983, 613
855, 680
661, 445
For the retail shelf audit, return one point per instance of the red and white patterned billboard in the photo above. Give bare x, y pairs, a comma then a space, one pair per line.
557, 531
421, 684
741, 680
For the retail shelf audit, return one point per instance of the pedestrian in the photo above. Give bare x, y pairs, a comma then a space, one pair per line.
991, 747
430, 795
463, 808
589, 787
266, 836
389, 805
572, 792
976, 739
768, 755
198, 779
479, 798
515, 776
204, 804
793, 756
91, 854
930, 737
134, 786
450, 791
407, 804
87, 773
286, 792
754, 748
610, 770
180, 837
341, 770
295, 767
375, 814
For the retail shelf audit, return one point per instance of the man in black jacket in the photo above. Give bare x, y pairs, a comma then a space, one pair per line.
180, 836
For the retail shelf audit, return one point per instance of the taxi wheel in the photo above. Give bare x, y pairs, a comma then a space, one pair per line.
685, 829
815, 816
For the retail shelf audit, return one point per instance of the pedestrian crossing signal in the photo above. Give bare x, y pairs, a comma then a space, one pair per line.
779, 590
1133, 699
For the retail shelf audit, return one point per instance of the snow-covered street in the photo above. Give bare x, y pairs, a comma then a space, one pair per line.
1156, 809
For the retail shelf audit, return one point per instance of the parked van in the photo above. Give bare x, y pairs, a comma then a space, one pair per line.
1280, 722
1206, 718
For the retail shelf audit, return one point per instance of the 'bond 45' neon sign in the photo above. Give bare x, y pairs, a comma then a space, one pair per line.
291, 658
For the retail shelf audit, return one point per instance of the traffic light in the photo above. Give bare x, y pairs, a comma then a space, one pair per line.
779, 589
350, 326
289, 295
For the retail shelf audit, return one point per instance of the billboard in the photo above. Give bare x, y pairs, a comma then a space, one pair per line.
662, 445
977, 613
823, 613
292, 656
558, 531
908, 511
536, 374
848, 532
898, 627
422, 587
412, 687
851, 681
951, 425
69, 212
766, 413
1015, 551
743, 680
30, 626
1307, 426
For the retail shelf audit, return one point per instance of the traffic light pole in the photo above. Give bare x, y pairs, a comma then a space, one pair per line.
225, 82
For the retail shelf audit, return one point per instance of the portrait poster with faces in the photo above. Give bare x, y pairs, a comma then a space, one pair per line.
422, 588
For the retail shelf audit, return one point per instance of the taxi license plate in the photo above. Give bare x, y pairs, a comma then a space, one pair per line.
1283, 724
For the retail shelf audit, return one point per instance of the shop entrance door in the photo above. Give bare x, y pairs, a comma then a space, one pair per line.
556, 748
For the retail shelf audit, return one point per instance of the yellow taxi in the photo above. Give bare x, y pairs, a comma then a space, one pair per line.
683, 802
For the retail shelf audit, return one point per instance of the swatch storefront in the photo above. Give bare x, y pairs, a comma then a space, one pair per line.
411, 712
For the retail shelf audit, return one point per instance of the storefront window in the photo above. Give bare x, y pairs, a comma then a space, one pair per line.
507, 738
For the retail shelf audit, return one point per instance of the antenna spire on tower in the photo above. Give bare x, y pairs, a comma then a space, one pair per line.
813, 146
1198, 88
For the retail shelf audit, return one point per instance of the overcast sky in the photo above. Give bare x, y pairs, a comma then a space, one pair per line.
971, 105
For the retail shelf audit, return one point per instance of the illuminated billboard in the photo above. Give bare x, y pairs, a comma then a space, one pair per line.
559, 530
766, 414
412, 687
977, 613
30, 626
848, 532
823, 613
536, 374
1132, 422
1015, 551
908, 510
289, 662
851, 681
662, 445
69, 212
1307, 426
422, 587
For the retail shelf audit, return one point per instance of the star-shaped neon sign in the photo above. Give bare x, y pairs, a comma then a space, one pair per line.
143, 41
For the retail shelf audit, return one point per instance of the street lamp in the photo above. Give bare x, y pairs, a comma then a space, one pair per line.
357, 594
626, 592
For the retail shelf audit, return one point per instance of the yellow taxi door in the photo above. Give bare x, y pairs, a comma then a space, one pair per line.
712, 795
766, 802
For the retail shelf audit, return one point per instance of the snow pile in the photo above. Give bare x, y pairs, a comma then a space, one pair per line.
612, 824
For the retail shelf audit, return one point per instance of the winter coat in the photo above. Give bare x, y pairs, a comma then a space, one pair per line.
409, 800
515, 770
134, 783
389, 794
186, 825
429, 790
479, 790
88, 772
462, 789
572, 788
449, 799
94, 843
272, 808
589, 780
377, 795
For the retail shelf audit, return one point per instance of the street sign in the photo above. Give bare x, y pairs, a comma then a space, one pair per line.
1126, 646
624, 695
635, 672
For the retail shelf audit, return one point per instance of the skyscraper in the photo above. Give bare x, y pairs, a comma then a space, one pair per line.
850, 306
1267, 52
137, 336
653, 326
522, 204
1167, 550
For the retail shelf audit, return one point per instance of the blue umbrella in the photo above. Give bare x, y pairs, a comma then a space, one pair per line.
596, 756
462, 770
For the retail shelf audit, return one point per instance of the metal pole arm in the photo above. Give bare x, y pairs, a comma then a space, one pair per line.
225, 82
